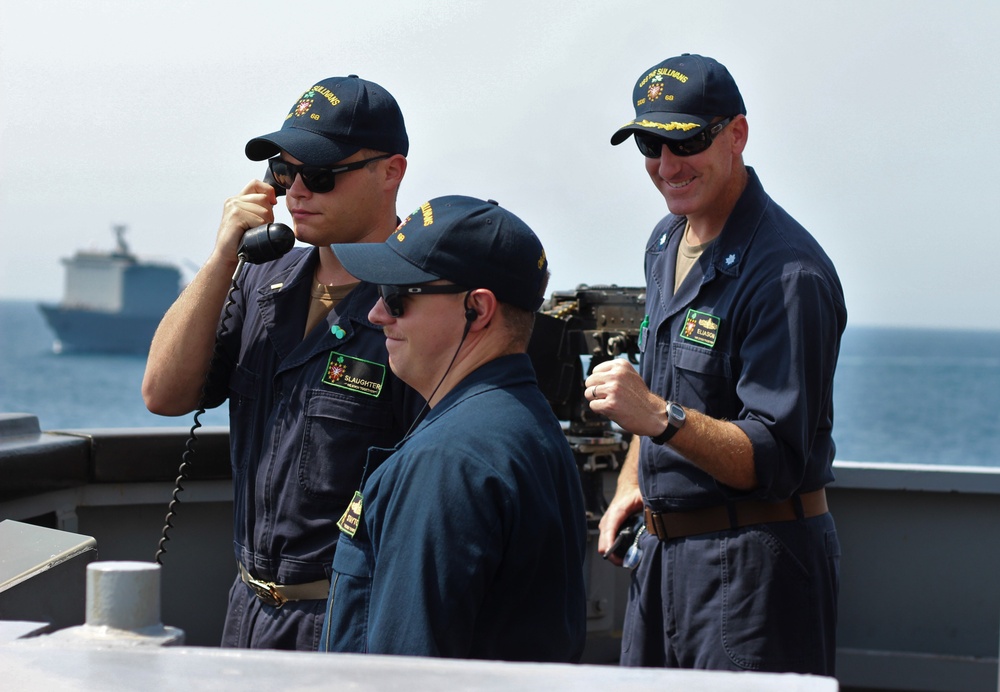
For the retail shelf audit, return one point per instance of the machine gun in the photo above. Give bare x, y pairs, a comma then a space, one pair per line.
592, 324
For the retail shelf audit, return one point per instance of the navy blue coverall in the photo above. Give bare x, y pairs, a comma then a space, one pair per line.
303, 413
752, 336
472, 534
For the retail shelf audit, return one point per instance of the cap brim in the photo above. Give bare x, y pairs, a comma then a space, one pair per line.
667, 125
378, 263
306, 146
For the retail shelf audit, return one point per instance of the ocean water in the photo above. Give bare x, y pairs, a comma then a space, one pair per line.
911, 396
69, 391
918, 396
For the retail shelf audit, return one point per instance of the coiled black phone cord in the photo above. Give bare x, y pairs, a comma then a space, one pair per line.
184, 470
261, 244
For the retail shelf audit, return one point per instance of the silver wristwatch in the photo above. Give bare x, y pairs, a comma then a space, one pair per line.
675, 421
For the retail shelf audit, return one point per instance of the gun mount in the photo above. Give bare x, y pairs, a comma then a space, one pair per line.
574, 332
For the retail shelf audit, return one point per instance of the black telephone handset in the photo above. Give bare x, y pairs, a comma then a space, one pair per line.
259, 245
266, 243
269, 179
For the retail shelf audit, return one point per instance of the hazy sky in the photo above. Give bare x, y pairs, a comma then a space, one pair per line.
870, 122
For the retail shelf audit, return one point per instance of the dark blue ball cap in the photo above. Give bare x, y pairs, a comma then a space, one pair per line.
333, 120
680, 96
464, 240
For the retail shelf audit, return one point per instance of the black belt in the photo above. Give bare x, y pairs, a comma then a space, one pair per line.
665, 525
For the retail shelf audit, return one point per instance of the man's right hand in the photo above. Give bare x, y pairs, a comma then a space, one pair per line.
626, 503
252, 207
182, 346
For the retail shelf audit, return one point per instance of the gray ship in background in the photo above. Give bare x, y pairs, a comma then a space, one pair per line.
112, 301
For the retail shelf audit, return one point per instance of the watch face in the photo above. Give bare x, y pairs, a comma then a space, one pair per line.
676, 411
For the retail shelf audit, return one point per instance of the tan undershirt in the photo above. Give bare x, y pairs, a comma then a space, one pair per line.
324, 299
687, 255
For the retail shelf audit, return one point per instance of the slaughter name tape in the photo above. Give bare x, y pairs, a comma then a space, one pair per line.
354, 374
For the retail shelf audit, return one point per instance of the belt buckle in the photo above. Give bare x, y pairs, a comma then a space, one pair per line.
267, 592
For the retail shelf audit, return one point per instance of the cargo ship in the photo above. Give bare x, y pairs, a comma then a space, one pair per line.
112, 301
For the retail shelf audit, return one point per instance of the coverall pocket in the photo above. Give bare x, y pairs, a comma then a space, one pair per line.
346, 626
703, 379
767, 594
337, 433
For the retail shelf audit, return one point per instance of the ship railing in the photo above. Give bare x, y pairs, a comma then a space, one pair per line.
919, 599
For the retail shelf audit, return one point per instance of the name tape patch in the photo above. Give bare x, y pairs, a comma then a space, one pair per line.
701, 328
354, 374
351, 518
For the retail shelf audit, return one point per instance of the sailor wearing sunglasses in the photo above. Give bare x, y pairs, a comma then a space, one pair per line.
732, 405
305, 372
468, 540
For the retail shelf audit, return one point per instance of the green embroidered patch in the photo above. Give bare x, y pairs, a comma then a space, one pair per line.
354, 374
701, 328
351, 519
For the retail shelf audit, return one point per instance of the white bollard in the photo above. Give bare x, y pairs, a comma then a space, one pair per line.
123, 609
123, 595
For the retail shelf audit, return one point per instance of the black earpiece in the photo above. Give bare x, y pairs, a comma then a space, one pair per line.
470, 312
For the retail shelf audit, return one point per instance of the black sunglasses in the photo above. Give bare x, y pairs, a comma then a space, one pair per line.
393, 296
651, 146
317, 179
